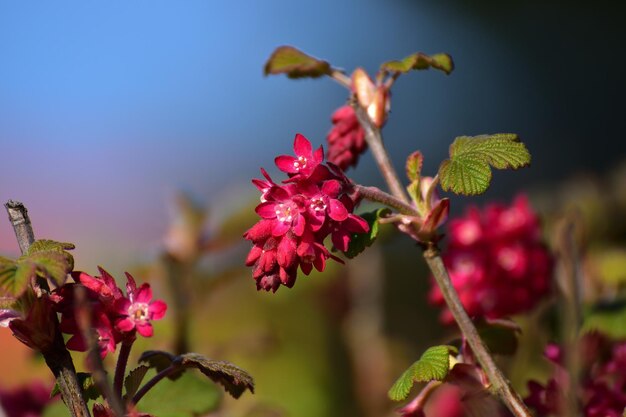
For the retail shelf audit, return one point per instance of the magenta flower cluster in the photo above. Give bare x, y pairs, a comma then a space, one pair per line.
602, 383
297, 216
497, 261
115, 317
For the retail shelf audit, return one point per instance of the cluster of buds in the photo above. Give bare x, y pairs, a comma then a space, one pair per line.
297, 216
602, 390
114, 317
346, 139
496, 261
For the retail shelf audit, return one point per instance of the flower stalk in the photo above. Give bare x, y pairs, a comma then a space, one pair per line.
499, 384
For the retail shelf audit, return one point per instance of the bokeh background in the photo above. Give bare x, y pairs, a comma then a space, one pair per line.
108, 110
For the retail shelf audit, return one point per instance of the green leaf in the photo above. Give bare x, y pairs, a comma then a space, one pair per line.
414, 166
468, 171
433, 365
234, 379
86, 382
420, 61
159, 360
607, 318
133, 380
360, 241
188, 396
295, 63
9, 285
44, 245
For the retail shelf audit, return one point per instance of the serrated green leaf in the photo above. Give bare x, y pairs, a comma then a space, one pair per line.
49, 264
295, 64
189, 396
134, 378
360, 241
432, 366
159, 360
43, 245
420, 61
234, 379
8, 284
414, 166
468, 171
87, 384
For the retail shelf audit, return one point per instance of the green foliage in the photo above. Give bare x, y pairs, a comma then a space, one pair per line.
189, 396
609, 319
414, 166
46, 259
86, 382
420, 61
295, 64
234, 379
433, 365
133, 380
468, 171
360, 241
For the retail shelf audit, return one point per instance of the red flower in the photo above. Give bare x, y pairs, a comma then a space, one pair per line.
138, 310
346, 139
497, 262
298, 216
305, 161
25, 401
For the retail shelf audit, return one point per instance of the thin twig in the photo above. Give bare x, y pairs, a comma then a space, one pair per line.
57, 358
152, 382
341, 78
374, 140
94, 360
378, 195
499, 384
569, 280
120, 367
18, 215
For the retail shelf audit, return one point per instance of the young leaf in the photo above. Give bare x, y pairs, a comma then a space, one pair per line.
157, 359
607, 318
414, 166
420, 61
86, 382
360, 241
468, 171
133, 380
433, 365
234, 379
295, 63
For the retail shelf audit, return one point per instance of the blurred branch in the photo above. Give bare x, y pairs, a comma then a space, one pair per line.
57, 358
569, 279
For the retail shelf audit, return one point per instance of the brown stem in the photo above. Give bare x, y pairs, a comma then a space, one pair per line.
569, 283
179, 285
378, 195
18, 215
341, 78
120, 367
151, 383
374, 140
57, 358
499, 384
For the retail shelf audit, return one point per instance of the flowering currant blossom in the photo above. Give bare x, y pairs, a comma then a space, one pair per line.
497, 262
346, 139
114, 316
296, 217
602, 391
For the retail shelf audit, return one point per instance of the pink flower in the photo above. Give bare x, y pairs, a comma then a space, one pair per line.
25, 401
603, 380
346, 139
138, 310
296, 218
304, 163
497, 262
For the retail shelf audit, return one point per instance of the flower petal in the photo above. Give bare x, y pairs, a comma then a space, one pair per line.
286, 164
302, 146
157, 310
145, 329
